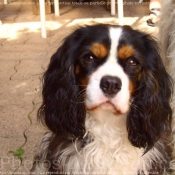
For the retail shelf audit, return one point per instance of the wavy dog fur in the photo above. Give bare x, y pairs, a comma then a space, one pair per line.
106, 103
167, 39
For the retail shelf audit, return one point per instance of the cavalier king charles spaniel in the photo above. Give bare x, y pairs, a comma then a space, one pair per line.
106, 101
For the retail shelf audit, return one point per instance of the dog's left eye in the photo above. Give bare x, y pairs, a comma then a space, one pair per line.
89, 58
132, 62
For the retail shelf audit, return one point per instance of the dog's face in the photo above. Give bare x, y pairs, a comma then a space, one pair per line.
110, 68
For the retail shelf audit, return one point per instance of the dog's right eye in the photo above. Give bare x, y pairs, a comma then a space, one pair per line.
89, 58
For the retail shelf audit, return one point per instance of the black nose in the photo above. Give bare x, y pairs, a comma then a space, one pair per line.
110, 85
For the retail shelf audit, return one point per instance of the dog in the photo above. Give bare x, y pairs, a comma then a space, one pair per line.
106, 101
167, 40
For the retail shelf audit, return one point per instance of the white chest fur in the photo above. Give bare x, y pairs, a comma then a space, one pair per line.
109, 151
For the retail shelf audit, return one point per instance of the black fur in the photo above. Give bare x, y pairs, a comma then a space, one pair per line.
60, 110
150, 113
64, 112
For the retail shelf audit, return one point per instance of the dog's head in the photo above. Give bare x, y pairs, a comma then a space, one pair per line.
111, 68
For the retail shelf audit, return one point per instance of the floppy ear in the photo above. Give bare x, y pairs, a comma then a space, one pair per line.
150, 114
62, 111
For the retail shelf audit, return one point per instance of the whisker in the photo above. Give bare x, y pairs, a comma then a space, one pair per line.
134, 105
136, 102
137, 88
78, 102
132, 76
80, 96
81, 85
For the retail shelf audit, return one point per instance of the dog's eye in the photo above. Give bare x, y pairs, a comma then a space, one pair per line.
132, 62
89, 58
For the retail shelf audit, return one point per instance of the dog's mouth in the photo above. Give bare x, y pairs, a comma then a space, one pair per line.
108, 106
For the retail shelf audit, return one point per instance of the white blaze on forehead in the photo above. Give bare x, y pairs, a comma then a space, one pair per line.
111, 67
115, 34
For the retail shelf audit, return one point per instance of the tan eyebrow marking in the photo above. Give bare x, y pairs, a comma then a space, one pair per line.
125, 52
99, 50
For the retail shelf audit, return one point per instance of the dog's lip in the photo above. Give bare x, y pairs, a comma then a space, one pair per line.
106, 105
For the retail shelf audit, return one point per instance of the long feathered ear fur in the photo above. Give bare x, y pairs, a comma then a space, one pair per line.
62, 110
150, 114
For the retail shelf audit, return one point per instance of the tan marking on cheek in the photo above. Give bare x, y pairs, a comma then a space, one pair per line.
125, 52
131, 87
84, 82
99, 50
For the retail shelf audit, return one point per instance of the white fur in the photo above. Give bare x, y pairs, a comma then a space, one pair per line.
95, 96
109, 153
115, 34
